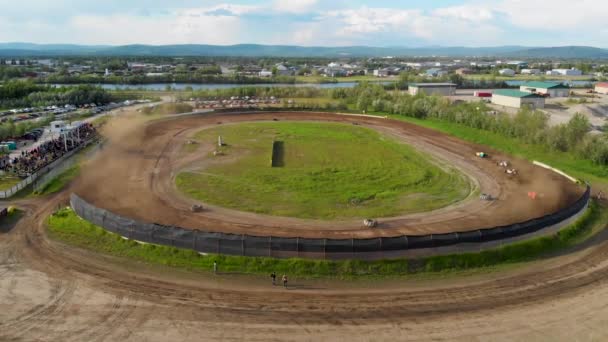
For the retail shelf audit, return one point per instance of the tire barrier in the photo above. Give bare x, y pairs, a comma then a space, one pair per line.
317, 248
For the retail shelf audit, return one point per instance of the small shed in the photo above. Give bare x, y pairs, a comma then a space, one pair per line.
601, 88
443, 89
517, 99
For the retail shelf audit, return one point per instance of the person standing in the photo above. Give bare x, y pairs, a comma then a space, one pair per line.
273, 276
284, 281
215, 267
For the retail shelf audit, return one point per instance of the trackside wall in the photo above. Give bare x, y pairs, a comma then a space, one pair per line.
376, 248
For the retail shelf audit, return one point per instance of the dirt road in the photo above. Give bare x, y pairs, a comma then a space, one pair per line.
52, 292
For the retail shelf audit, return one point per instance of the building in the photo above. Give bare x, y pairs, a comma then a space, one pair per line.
530, 71
265, 73
565, 72
517, 99
518, 64
381, 72
436, 72
464, 71
552, 89
507, 72
601, 88
443, 89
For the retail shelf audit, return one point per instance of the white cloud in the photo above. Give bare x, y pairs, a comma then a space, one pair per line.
558, 15
472, 13
294, 6
450, 26
183, 28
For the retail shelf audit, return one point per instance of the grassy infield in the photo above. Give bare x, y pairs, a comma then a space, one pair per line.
66, 226
329, 171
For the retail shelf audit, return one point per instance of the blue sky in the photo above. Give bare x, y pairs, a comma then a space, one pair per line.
308, 22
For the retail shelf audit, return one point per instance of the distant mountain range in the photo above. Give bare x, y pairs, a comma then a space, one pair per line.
254, 50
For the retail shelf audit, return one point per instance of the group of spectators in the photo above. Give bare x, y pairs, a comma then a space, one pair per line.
35, 159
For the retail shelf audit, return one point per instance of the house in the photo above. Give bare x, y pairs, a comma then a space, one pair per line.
282, 70
601, 88
552, 89
335, 72
518, 64
565, 72
443, 89
507, 72
435, 72
530, 71
381, 72
265, 73
464, 71
517, 99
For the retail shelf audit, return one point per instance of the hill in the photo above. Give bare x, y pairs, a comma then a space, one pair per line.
255, 50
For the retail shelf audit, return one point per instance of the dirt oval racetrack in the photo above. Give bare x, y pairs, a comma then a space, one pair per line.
54, 292
134, 177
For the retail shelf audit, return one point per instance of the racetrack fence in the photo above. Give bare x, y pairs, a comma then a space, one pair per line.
283, 247
43, 171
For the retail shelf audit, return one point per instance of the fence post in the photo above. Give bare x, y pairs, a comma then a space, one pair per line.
270, 246
243, 244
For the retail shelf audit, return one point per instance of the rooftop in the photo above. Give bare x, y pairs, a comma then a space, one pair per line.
602, 85
544, 85
514, 93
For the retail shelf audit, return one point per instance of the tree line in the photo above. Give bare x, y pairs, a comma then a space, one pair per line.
20, 94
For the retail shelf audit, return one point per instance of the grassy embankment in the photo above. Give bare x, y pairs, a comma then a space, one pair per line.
520, 77
362, 78
328, 171
568, 162
8, 181
66, 226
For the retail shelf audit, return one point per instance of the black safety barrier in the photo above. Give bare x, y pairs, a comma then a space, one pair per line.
246, 245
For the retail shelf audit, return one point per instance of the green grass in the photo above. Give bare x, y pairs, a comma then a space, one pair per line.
59, 182
361, 78
329, 171
8, 181
66, 226
568, 162
520, 77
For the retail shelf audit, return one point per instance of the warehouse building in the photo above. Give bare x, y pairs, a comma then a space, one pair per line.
517, 99
443, 89
601, 88
506, 72
552, 89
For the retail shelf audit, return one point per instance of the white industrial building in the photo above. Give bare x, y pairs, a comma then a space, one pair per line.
601, 88
551, 89
443, 89
517, 99
530, 71
565, 72
507, 72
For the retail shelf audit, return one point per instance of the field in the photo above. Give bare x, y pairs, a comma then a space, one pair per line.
329, 171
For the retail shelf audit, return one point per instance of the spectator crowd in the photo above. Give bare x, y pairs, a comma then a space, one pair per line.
35, 159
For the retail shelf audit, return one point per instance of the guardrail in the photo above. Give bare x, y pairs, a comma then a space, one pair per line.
269, 246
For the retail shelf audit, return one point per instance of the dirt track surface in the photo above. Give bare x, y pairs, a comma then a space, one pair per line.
52, 292
134, 177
